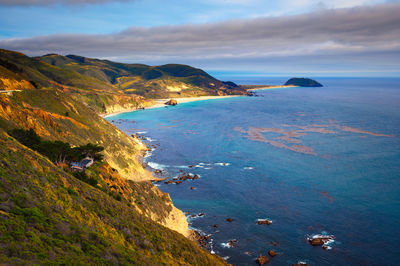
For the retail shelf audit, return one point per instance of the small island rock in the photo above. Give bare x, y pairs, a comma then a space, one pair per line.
303, 82
272, 253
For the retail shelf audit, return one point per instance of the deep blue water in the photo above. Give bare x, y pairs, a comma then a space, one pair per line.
342, 178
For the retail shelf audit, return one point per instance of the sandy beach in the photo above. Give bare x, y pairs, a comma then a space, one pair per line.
270, 87
161, 102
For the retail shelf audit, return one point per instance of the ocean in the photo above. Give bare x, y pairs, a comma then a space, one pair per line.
311, 160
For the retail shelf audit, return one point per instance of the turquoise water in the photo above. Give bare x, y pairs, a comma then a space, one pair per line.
310, 159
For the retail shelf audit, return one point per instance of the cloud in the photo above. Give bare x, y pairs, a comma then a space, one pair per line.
362, 35
54, 2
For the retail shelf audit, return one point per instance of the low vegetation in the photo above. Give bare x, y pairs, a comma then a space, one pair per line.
57, 151
50, 217
107, 214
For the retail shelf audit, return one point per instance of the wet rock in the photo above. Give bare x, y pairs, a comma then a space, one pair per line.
272, 253
178, 182
317, 242
261, 260
300, 264
229, 220
185, 177
201, 239
320, 240
169, 182
264, 221
192, 188
232, 243
215, 225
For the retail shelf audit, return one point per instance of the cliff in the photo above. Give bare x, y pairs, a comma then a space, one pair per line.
64, 104
47, 216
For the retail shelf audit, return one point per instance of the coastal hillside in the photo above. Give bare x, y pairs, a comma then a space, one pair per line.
108, 86
165, 81
54, 115
49, 216
109, 213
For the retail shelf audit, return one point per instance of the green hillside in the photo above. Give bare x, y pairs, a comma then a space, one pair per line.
109, 214
171, 80
49, 217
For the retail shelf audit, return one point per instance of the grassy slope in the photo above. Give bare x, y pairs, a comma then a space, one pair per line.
31, 73
53, 114
164, 81
63, 104
48, 216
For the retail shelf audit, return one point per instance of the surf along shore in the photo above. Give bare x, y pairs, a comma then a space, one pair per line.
266, 87
157, 103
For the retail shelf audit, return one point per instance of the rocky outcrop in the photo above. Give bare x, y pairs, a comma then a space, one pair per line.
272, 253
303, 82
261, 260
264, 221
171, 102
176, 221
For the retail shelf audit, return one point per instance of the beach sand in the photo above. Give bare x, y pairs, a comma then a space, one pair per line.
259, 87
161, 102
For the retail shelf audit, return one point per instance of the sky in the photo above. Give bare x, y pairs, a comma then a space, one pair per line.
229, 37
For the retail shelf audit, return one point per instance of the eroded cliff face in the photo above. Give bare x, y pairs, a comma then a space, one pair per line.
176, 221
56, 116
47, 216
143, 196
14, 84
107, 103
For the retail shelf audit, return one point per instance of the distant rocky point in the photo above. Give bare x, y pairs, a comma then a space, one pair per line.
303, 82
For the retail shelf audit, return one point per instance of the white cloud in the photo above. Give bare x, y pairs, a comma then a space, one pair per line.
53, 2
363, 35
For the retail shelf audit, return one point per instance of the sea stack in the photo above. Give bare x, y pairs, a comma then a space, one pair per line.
303, 82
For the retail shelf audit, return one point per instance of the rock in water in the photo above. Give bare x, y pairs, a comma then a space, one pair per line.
229, 220
317, 242
272, 253
261, 260
320, 240
303, 82
172, 102
264, 221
